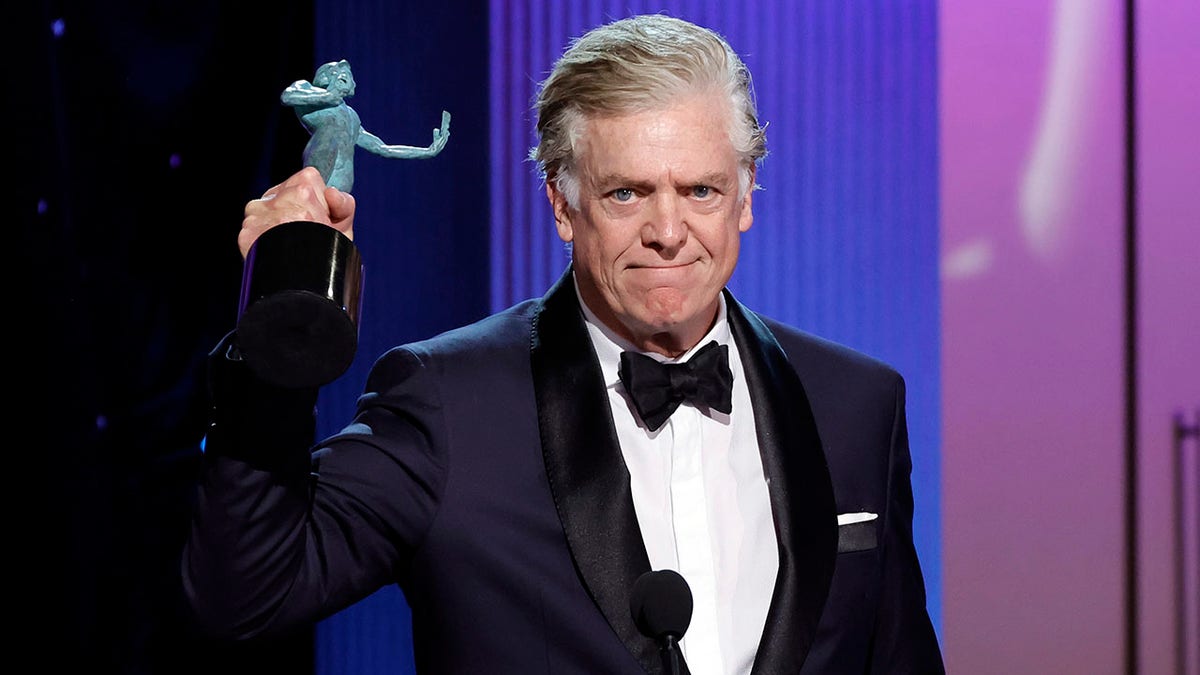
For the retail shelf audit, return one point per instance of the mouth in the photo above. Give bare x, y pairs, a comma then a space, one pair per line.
659, 275
663, 266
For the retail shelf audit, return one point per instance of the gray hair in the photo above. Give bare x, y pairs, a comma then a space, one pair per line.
633, 65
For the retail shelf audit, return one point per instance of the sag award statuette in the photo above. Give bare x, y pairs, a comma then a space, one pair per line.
302, 281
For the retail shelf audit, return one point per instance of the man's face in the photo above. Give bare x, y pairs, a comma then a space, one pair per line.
656, 234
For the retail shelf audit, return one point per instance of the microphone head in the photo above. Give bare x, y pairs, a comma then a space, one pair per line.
661, 604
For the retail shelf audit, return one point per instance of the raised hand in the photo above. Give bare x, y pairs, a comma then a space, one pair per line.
440, 136
302, 197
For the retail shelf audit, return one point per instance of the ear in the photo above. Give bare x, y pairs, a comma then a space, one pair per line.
562, 211
747, 217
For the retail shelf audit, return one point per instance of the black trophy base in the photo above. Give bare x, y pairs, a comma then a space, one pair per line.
301, 290
297, 339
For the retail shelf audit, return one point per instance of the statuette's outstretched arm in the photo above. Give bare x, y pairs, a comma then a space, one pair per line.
371, 142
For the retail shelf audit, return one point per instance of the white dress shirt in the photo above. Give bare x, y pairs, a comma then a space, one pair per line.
702, 505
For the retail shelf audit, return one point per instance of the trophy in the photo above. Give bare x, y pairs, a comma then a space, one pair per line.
302, 281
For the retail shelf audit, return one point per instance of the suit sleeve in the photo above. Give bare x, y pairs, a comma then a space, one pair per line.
285, 532
905, 641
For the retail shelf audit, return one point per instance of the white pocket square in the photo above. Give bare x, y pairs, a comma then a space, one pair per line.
862, 517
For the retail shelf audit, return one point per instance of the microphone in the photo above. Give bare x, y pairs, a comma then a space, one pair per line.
661, 604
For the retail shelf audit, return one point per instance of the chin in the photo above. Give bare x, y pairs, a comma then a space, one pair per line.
658, 322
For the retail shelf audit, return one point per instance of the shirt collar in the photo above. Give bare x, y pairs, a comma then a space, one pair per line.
609, 345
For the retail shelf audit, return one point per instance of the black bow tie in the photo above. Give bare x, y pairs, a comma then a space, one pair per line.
658, 388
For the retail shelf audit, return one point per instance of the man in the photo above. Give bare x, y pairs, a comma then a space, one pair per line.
511, 479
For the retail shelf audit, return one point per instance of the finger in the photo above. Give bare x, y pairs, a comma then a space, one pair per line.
307, 176
302, 197
341, 210
291, 203
299, 198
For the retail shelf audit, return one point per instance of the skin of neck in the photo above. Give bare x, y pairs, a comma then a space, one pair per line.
671, 343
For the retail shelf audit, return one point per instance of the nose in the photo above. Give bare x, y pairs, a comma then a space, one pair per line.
666, 229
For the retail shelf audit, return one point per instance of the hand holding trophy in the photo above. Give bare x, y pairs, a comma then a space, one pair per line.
302, 279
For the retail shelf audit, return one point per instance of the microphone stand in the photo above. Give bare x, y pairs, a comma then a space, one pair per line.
670, 654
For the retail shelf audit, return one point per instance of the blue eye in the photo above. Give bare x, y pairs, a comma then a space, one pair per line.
701, 191
622, 194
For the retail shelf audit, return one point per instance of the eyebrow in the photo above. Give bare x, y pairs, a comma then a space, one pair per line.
613, 180
716, 179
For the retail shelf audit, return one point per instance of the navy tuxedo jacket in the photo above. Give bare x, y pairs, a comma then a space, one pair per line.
482, 474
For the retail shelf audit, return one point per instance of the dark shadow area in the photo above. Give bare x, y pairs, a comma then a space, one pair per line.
151, 124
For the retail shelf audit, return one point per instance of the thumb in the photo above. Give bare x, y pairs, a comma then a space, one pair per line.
341, 208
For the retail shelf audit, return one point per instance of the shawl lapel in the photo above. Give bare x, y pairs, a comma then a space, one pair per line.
801, 495
588, 477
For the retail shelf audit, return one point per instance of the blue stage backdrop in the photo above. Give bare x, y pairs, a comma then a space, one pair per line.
845, 238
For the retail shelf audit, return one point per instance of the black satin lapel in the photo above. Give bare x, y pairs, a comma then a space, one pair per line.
801, 495
588, 477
